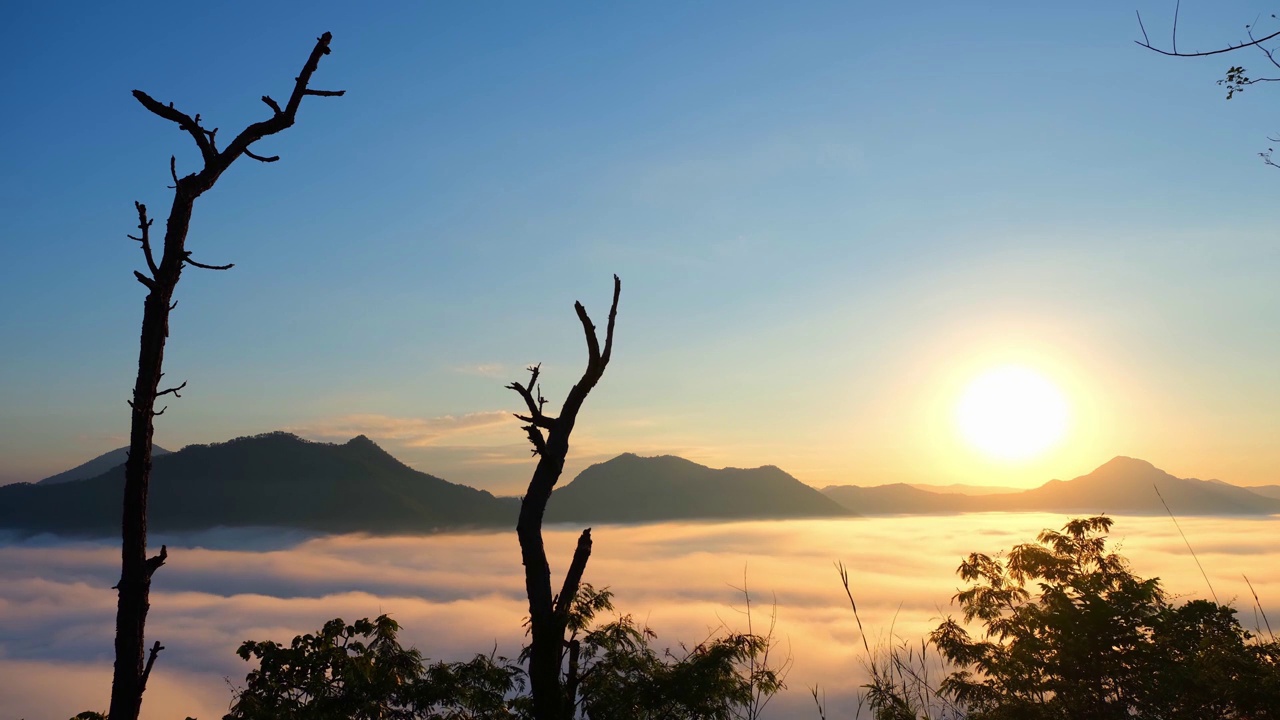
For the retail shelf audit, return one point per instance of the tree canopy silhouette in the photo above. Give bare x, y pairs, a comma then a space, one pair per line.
360, 671
1069, 631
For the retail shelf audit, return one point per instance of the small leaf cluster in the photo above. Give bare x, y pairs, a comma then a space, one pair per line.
1235, 81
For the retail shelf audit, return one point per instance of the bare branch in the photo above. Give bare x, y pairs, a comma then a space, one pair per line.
536, 439
144, 228
1176, 8
193, 263
535, 416
173, 390
154, 562
613, 316
151, 284
173, 170
1230, 48
588, 329
250, 154
282, 119
573, 578
184, 121
1269, 53
1145, 40
151, 661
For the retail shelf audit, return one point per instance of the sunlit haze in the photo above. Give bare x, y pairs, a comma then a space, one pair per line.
824, 233
1012, 413
891, 284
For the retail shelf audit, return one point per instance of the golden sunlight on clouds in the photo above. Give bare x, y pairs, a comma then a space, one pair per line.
460, 594
1012, 413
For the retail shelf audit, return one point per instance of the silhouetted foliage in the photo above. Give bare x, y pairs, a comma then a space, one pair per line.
1237, 78
614, 672
360, 671
1071, 632
129, 677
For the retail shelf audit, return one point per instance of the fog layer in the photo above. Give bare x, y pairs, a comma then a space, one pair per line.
459, 594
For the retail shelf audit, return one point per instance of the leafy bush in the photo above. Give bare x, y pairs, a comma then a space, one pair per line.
360, 671
1070, 632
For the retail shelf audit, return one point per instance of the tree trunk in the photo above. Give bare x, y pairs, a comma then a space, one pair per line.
130, 674
548, 615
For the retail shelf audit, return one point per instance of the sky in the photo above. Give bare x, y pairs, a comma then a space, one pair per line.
454, 599
828, 218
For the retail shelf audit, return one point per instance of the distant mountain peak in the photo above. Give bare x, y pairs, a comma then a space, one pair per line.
269, 479
632, 488
1127, 470
1124, 462
97, 466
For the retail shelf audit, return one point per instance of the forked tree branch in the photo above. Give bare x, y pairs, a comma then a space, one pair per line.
1174, 52
535, 405
215, 161
130, 673
548, 614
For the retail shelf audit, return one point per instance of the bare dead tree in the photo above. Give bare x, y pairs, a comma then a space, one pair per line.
129, 679
1237, 77
548, 614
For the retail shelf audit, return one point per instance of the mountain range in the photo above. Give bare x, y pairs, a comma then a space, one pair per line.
1122, 485
280, 480
630, 488
275, 479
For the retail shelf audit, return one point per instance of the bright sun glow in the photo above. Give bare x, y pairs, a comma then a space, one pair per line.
1012, 413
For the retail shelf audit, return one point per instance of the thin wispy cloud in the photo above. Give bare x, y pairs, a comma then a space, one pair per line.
404, 431
489, 370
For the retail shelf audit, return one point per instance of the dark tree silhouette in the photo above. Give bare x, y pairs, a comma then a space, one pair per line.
1237, 78
549, 615
129, 680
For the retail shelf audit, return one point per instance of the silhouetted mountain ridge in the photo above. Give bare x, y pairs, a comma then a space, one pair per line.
95, 467
278, 479
273, 479
630, 488
1122, 485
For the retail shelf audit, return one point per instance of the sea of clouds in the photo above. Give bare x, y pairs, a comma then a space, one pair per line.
459, 594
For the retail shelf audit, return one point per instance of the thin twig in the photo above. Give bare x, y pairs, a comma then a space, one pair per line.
1258, 602
1188, 542
844, 580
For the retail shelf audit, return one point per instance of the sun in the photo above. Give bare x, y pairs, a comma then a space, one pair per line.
1012, 413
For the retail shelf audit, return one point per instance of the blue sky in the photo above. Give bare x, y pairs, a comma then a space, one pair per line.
825, 216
